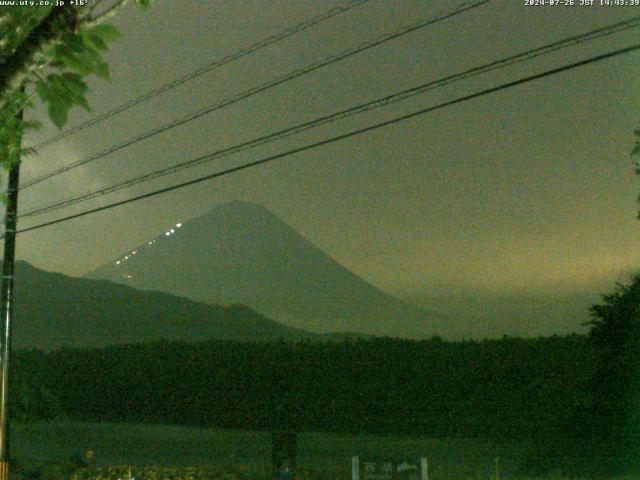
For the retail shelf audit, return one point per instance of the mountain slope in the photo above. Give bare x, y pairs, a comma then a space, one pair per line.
241, 253
54, 310
484, 315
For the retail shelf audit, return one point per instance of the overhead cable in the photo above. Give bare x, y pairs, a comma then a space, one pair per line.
374, 104
340, 137
258, 89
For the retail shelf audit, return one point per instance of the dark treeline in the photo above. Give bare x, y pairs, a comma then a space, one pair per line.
499, 387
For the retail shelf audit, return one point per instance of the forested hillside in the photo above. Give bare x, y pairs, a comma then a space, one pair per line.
498, 387
54, 310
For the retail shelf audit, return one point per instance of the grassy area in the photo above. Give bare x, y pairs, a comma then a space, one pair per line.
248, 453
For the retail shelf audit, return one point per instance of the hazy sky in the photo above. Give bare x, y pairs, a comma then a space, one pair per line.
527, 190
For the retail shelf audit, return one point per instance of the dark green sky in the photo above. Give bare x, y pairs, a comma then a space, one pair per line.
526, 191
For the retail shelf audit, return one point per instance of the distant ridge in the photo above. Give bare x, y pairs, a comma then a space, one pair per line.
240, 252
53, 310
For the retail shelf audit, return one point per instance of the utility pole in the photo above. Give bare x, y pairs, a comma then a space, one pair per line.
6, 309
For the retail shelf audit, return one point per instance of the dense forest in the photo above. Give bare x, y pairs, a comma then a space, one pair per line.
500, 387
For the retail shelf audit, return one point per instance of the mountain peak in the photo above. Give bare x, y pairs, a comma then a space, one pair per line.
235, 211
242, 253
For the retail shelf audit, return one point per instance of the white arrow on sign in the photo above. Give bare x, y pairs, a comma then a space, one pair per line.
404, 466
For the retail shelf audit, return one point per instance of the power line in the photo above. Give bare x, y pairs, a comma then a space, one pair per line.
261, 88
273, 39
344, 136
374, 104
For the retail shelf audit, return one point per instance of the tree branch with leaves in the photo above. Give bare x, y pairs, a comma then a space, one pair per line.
53, 49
